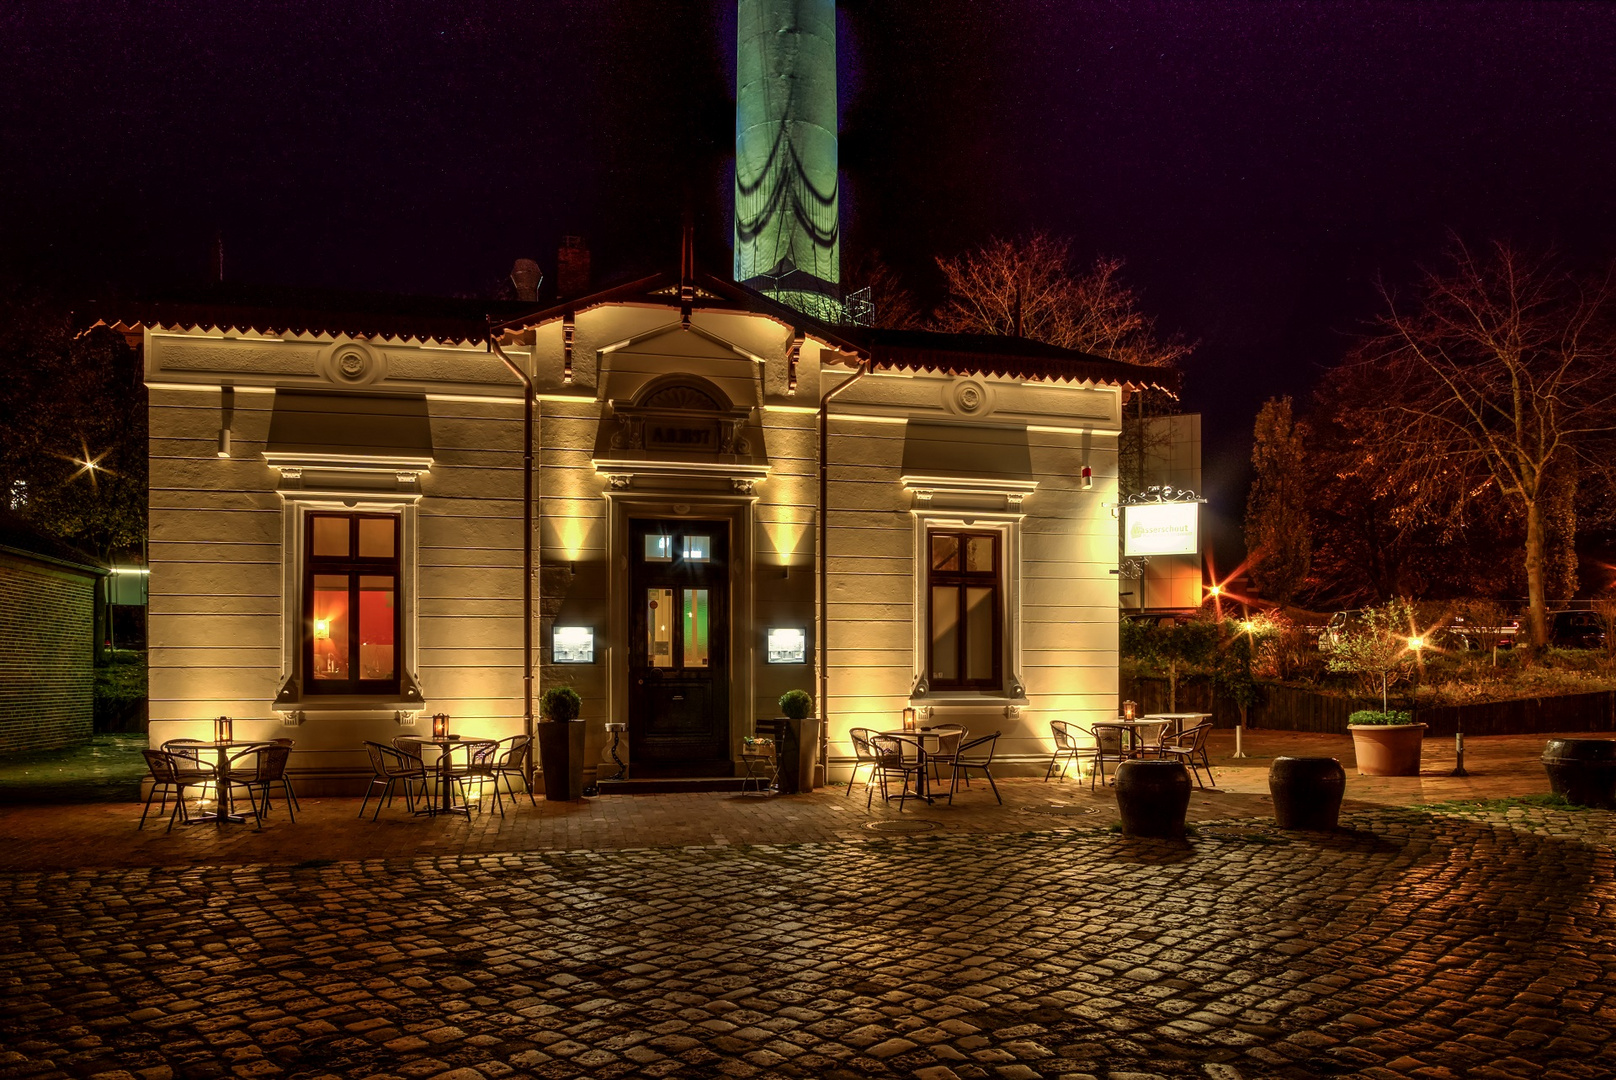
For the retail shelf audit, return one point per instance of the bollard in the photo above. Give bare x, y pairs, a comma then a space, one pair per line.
1239, 730
1458, 753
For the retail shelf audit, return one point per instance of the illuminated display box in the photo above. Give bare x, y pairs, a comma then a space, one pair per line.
788, 645
573, 645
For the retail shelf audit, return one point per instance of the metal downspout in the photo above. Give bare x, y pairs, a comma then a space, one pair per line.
824, 540
528, 394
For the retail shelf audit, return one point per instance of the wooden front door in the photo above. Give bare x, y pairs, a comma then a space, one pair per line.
679, 648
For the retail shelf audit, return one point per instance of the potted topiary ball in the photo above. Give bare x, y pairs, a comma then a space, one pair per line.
797, 748
561, 744
1386, 742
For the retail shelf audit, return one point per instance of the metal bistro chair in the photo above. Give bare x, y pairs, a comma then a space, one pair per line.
1068, 751
389, 767
948, 744
976, 754
172, 774
1187, 747
899, 756
258, 769
286, 777
511, 761
477, 769
1111, 742
863, 755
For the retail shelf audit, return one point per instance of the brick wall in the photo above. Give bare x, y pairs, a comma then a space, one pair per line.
47, 660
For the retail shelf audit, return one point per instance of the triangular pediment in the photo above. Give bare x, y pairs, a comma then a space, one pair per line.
678, 341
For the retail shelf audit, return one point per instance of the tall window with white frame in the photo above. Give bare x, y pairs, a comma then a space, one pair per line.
965, 587
351, 622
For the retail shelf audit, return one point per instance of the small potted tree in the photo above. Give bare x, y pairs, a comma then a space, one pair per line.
1380, 649
561, 744
798, 744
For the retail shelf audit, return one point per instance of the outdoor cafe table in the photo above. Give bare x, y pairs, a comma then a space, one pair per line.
446, 745
1182, 721
1135, 728
918, 739
222, 810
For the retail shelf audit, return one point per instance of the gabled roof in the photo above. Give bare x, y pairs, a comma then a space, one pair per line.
887, 350
277, 311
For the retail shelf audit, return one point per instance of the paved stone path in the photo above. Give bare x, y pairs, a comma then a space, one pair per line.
1409, 944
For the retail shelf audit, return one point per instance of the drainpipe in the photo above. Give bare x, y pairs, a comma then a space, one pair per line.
824, 539
528, 394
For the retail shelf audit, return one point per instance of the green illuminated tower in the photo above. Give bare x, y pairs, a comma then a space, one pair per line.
787, 235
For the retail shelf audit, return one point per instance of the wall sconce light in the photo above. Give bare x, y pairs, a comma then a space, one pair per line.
909, 718
322, 629
1128, 710
224, 442
440, 725
1088, 477
222, 729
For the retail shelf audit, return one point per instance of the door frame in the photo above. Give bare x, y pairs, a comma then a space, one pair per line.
740, 512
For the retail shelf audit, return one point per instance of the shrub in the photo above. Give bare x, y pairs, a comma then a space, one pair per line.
562, 703
1380, 718
796, 704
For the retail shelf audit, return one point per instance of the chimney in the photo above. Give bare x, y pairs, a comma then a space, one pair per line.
525, 279
572, 268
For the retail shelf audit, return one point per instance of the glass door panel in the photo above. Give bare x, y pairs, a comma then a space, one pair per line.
698, 613
659, 617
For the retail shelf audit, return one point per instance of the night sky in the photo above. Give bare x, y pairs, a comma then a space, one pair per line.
1258, 166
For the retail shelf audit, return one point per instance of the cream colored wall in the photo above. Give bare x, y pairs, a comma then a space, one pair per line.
219, 610
1064, 643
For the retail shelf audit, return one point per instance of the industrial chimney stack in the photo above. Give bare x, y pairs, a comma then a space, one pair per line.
787, 230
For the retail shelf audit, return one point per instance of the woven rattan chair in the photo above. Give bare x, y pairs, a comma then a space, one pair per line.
942, 755
476, 770
863, 755
511, 761
1111, 742
899, 757
172, 774
256, 770
1190, 748
976, 754
389, 767
1069, 750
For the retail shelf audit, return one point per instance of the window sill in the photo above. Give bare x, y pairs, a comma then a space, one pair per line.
292, 699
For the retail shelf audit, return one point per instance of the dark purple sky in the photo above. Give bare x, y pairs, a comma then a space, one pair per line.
1258, 165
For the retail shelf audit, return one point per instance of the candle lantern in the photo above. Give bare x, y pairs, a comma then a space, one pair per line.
909, 719
221, 729
440, 725
1128, 709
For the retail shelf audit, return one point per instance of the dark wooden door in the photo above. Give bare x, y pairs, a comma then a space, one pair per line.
679, 648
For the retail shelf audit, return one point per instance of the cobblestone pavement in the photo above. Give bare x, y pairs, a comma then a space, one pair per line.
1411, 943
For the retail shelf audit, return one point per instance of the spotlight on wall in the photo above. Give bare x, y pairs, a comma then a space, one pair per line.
1088, 477
224, 442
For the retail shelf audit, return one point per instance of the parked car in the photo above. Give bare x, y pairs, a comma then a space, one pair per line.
1462, 635
1576, 630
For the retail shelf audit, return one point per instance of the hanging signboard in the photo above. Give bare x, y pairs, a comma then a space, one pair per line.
1165, 528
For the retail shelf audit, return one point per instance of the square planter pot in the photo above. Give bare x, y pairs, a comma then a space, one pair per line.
561, 758
1387, 750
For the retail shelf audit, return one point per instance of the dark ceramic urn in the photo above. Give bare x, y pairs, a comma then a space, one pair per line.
1307, 791
1583, 770
1153, 797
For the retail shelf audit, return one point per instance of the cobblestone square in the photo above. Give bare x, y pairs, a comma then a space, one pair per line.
1411, 943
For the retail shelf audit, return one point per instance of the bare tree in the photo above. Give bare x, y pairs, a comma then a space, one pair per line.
1504, 371
1029, 288
1278, 529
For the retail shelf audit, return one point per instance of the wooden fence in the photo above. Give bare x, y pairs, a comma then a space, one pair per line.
1288, 708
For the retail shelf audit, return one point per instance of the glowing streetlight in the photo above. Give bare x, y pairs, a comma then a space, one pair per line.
1417, 642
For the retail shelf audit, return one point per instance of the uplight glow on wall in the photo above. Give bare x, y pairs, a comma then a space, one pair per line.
1166, 528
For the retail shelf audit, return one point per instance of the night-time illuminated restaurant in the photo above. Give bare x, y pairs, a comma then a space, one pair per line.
682, 496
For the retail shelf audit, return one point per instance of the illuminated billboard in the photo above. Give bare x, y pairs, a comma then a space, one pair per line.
1161, 529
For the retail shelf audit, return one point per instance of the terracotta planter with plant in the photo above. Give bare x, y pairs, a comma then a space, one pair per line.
561, 744
1386, 742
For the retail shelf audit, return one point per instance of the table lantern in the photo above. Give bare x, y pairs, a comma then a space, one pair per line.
909, 719
1128, 710
221, 729
440, 725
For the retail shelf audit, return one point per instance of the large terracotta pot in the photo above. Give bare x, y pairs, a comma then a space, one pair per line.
1387, 750
1153, 797
1307, 791
1583, 770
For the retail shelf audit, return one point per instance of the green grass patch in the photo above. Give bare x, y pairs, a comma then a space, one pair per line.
1512, 802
